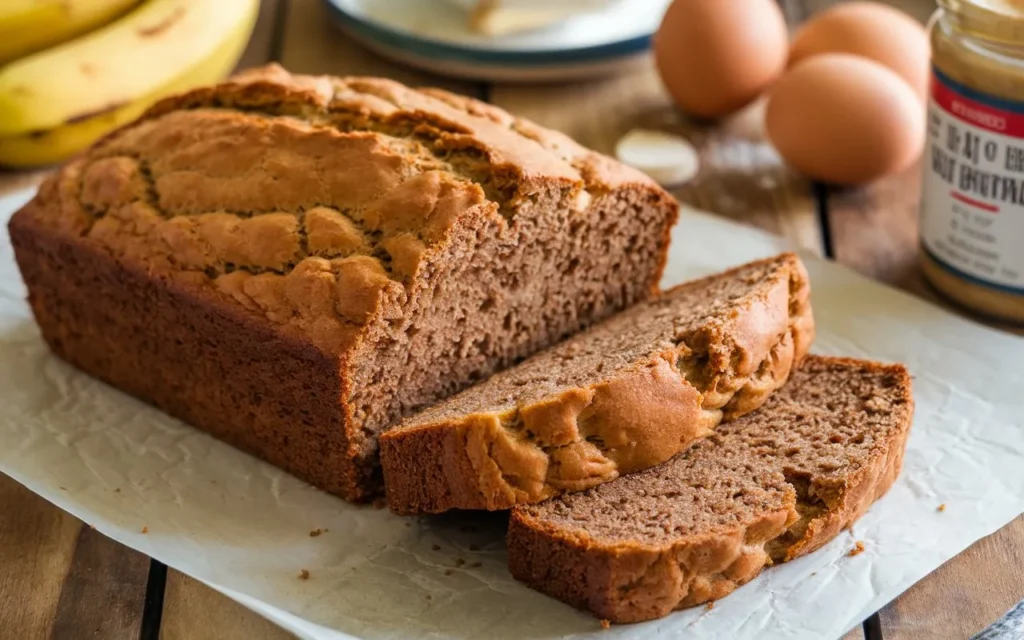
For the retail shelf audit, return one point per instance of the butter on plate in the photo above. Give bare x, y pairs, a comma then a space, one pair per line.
504, 17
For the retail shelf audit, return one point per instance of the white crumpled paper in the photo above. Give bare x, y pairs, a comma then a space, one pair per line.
243, 527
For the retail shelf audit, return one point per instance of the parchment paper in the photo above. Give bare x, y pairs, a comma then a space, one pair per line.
243, 527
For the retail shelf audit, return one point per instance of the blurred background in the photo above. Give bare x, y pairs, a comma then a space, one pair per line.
580, 66
73, 69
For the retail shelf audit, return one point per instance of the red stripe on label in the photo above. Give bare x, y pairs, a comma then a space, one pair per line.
984, 206
980, 115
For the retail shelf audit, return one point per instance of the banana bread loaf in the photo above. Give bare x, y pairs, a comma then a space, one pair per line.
625, 395
774, 485
293, 263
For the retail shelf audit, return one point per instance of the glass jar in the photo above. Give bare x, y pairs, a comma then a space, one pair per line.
972, 208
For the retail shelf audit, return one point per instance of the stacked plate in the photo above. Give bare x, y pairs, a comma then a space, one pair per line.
435, 35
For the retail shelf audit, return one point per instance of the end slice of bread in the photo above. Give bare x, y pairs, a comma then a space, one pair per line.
626, 395
769, 487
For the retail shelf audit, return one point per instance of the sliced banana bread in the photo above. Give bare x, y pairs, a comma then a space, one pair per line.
772, 486
625, 395
293, 263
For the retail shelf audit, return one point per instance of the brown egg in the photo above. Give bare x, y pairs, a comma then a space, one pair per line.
845, 119
872, 30
716, 57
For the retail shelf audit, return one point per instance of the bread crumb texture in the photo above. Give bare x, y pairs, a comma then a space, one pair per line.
857, 549
773, 485
623, 396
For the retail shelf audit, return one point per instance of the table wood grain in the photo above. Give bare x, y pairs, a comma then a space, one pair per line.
60, 579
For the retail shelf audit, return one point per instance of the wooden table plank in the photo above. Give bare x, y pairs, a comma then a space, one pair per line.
104, 590
265, 35
37, 542
966, 594
193, 611
874, 228
60, 578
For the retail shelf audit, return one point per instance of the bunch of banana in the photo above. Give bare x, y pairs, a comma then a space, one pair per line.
26, 26
55, 102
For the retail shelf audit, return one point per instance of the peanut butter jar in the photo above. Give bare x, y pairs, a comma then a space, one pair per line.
972, 208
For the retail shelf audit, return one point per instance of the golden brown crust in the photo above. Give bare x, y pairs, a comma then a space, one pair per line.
629, 581
315, 208
640, 417
265, 392
633, 582
187, 189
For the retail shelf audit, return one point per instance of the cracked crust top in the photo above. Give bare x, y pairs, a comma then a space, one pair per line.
625, 395
770, 487
310, 200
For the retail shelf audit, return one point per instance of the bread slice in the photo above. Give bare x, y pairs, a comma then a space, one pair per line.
769, 487
626, 395
295, 263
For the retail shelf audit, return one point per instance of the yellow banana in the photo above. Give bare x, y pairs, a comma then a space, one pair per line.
57, 102
27, 26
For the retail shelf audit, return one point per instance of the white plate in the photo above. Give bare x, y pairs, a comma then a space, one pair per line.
433, 35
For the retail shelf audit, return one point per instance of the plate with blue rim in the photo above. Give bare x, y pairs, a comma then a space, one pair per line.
435, 35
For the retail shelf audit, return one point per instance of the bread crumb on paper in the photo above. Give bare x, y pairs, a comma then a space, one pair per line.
435, 547
606, 624
317, 532
857, 549
145, 530
710, 605
447, 572
304, 574
476, 565
459, 562
942, 507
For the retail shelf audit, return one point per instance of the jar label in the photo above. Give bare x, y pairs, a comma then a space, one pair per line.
972, 209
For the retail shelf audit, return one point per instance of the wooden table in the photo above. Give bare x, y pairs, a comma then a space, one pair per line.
61, 579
